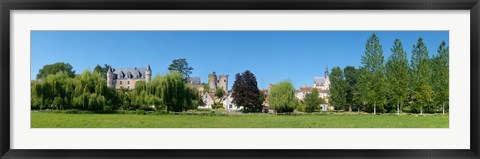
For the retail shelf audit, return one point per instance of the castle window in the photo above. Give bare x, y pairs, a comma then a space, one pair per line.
128, 82
224, 80
120, 82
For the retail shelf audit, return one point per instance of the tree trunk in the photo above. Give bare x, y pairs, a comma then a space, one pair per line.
398, 108
350, 108
443, 108
374, 108
421, 110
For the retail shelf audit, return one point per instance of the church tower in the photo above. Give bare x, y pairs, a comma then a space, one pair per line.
110, 77
327, 79
148, 74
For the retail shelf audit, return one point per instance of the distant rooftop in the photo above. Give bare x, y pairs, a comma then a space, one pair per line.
194, 80
319, 81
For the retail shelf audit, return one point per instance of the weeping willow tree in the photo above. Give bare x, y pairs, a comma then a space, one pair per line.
87, 91
170, 92
282, 97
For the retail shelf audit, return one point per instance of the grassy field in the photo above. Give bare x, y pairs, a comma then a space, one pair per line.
61, 120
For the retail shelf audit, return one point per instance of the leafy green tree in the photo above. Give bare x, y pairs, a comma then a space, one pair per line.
219, 92
338, 88
421, 74
56, 68
175, 93
282, 97
102, 70
245, 92
397, 73
440, 78
373, 63
262, 96
181, 65
351, 77
312, 101
361, 89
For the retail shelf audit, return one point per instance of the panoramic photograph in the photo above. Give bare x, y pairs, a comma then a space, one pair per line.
239, 79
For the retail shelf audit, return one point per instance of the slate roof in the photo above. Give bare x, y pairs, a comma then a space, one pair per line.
129, 73
319, 81
194, 80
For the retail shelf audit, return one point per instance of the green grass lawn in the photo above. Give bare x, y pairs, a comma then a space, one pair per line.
61, 120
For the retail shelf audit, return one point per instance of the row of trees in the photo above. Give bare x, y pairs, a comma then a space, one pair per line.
419, 85
56, 88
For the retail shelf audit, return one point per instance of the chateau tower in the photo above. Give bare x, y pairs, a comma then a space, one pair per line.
148, 74
109, 77
223, 82
212, 81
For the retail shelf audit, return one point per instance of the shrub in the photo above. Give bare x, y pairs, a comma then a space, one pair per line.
217, 106
141, 112
301, 108
72, 111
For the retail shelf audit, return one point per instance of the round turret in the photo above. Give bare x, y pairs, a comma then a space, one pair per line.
109, 77
148, 74
212, 82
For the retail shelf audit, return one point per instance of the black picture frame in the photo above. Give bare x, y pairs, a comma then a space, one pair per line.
9, 5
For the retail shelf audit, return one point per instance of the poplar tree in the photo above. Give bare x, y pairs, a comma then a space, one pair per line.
397, 73
373, 63
351, 77
362, 89
338, 91
421, 74
440, 76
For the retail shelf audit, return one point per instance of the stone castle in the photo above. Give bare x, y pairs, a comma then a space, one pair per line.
215, 82
128, 77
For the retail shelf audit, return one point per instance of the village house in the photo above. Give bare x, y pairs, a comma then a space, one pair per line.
322, 84
208, 100
302, 91
228, 104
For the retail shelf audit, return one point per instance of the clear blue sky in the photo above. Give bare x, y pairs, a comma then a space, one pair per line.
272, 56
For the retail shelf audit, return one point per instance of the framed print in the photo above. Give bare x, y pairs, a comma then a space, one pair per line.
246, 79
